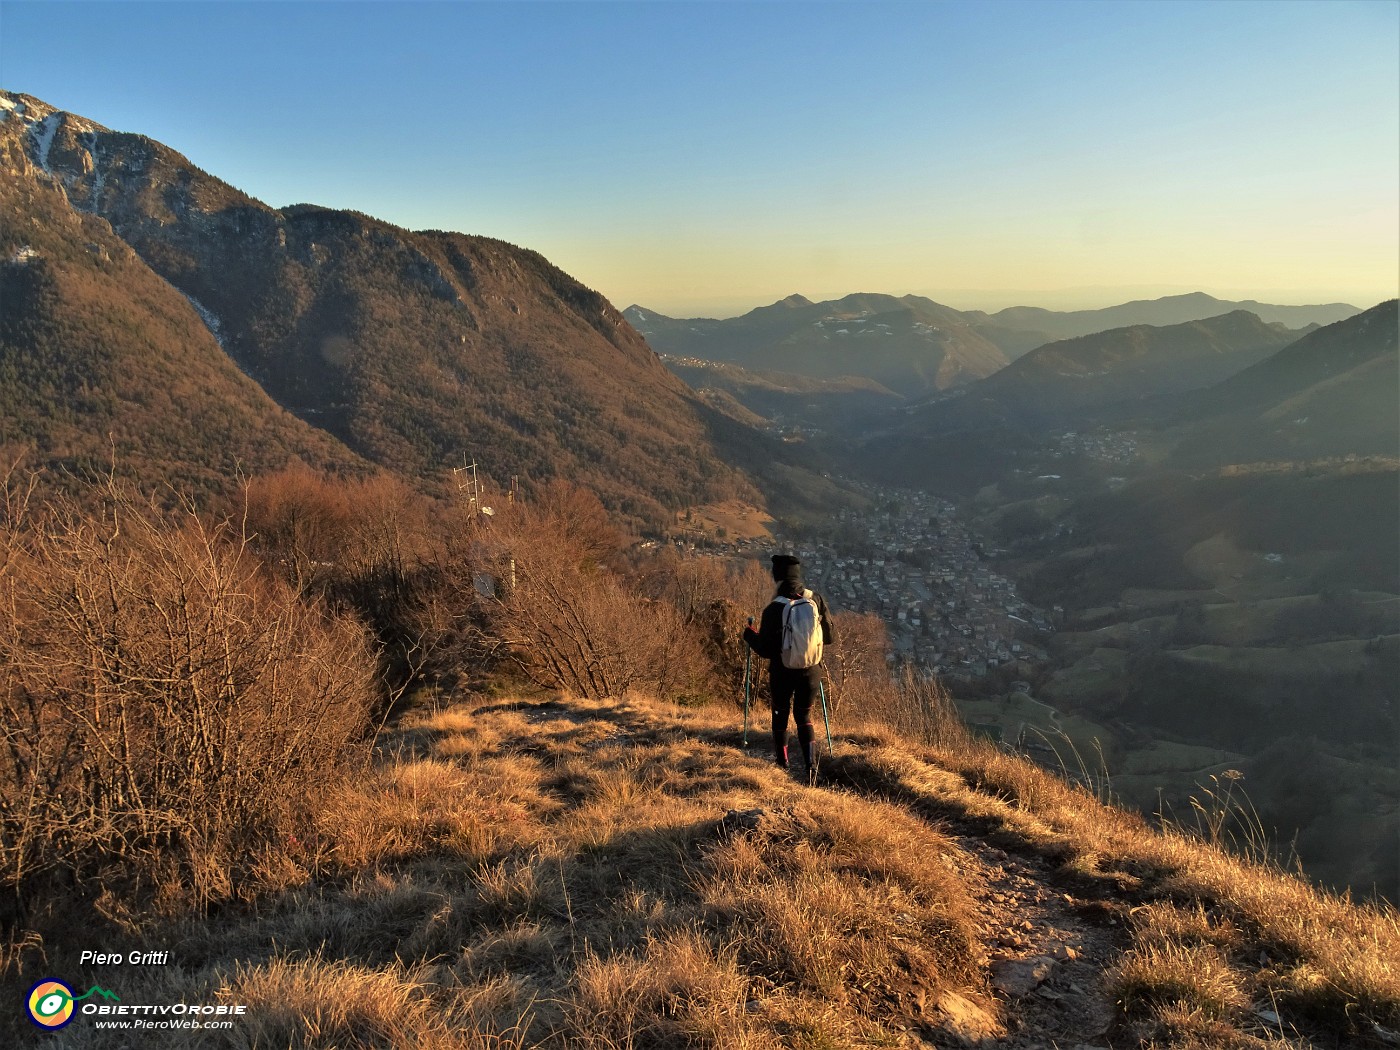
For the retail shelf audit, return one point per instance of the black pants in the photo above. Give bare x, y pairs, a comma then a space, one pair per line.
794, 692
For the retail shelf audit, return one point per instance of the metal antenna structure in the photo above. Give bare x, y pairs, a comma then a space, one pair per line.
470, 486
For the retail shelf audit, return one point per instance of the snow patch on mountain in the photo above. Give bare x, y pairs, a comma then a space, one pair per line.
206, 315
44, 133
99, 178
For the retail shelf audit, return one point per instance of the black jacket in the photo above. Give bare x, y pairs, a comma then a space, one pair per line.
767, 641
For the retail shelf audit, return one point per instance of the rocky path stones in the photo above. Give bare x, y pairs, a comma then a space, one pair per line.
1047, 962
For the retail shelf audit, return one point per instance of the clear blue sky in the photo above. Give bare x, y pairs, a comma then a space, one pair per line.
710, 157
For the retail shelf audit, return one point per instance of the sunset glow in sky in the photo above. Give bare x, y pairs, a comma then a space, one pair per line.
705, 158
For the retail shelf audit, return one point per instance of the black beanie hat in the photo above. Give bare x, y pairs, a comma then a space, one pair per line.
786, 567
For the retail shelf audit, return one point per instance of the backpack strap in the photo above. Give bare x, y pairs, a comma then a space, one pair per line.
783, 599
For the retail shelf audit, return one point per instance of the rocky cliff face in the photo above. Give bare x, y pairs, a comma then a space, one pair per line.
413, 348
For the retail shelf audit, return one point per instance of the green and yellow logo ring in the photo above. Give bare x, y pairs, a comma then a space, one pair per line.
51, 1004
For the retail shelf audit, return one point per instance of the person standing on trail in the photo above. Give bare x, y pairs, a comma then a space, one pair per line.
792, 632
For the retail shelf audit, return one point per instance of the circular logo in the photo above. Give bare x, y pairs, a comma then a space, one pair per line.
51, 1004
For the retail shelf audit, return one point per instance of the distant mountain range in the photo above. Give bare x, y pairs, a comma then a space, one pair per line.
909, 344
1169, 310
1221, 392
915, 346
1332, 393
1062, 380
409, 350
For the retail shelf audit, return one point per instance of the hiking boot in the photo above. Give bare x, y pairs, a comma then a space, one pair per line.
811, 776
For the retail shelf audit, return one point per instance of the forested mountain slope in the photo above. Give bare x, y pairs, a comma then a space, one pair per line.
414, 349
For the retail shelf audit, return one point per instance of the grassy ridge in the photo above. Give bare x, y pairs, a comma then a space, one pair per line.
555, 872
601, 866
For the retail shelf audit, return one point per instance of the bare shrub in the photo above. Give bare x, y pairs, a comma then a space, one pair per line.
300, 521
165, 707
576, 520
322, 531
858, 657
715, 597
753, 587
545, 588
369, 546
915, 706
585, 632
536, 585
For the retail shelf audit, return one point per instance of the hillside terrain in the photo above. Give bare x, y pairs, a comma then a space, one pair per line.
1328, 395
1256, 617
916, 347
416, 350
1066, 380
561, 827
786, 400
390, 770
908, 344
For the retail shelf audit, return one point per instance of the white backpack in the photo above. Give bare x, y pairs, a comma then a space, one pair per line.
802, 632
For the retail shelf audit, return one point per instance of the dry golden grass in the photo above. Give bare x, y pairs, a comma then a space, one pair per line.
1198, 978
558, 874
561, 873
1327, 961
679, 989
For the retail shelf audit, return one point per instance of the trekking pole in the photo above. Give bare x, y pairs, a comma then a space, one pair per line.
748, 657
830, 747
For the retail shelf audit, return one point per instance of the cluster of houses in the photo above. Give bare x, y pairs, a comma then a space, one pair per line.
1103, 445
916, 566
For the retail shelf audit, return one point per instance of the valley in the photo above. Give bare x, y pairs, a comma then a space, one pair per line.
1100, 597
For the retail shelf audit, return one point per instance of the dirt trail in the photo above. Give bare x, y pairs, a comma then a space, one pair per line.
1048, 951
1047, 959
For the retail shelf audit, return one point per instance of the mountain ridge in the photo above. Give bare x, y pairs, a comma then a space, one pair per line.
909, 344
1328, 394
415, 349
1065, 324
1066, 378
104, 364
1170, 309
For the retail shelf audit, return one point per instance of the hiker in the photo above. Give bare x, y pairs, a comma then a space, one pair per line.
794, 676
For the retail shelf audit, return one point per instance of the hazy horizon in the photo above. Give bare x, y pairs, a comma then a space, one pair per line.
992, 300
704, 159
